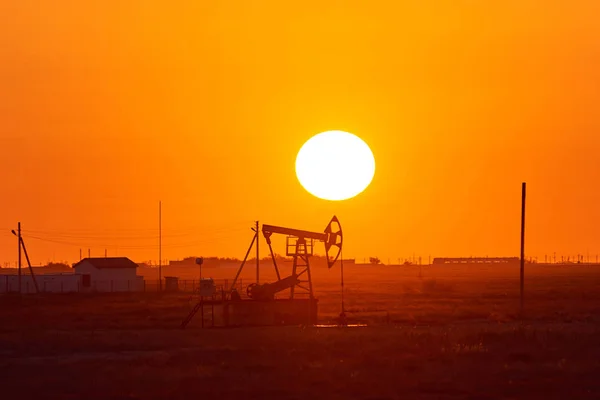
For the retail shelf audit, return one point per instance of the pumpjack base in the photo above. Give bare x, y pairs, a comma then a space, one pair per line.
266, 313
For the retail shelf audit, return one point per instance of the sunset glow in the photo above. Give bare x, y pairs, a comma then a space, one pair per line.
109, 108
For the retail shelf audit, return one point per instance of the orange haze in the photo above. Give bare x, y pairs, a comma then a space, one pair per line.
108, 107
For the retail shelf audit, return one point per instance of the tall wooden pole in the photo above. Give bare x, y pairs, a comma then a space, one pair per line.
19, 240
343, 313
35, 285
160, 246
523, 196
257, 259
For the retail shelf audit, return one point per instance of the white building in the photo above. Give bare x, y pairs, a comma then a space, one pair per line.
109, 274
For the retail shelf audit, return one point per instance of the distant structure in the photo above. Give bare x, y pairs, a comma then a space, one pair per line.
191, 262
186, 262
476, 260
115, 274
110, 274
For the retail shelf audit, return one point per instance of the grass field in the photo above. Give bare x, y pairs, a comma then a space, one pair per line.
437, 333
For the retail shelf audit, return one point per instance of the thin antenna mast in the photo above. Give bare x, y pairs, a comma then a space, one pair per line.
160, 246
257, 259
343, 314
523, 195
19, 234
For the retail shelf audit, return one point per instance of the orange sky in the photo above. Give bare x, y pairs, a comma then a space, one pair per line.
108, 107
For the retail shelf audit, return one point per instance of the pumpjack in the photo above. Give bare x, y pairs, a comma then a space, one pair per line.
299, 245
262, 307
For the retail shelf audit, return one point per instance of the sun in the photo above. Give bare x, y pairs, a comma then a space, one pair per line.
335, 165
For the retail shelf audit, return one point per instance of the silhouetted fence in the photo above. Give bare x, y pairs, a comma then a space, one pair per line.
192, 285
71, 283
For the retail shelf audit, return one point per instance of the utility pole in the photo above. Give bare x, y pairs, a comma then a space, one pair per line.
79, 254
257, 259
19, 240
22, 246
160, 246
343, 313
523, 196
37, 290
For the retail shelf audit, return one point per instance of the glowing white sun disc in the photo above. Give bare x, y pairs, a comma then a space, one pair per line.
335, 165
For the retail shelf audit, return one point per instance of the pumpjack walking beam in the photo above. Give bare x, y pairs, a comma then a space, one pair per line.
332, 237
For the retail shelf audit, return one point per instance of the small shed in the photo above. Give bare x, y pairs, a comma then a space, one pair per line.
171, 283
109, 274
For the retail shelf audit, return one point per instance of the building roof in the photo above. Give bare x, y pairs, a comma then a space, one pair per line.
108, 262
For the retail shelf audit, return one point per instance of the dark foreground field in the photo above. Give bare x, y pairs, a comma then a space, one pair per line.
439, 336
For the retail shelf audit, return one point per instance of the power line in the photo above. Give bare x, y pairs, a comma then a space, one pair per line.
112, 230
83, 243
59, 235
197, 232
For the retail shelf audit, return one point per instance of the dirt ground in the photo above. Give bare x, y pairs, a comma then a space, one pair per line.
433, 333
